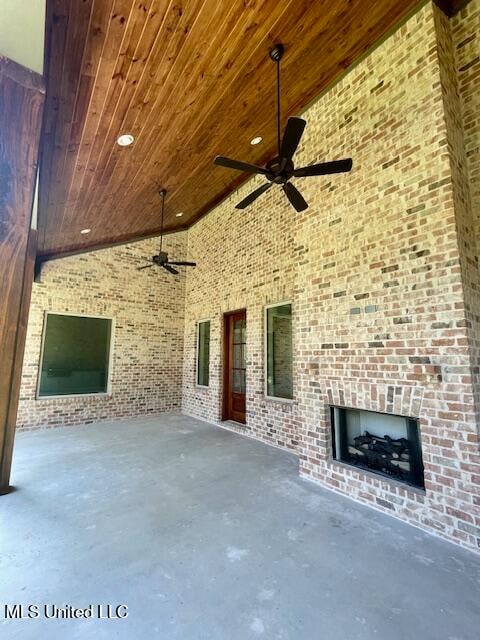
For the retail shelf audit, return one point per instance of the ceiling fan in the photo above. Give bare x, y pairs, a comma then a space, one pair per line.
281, 169
161, 259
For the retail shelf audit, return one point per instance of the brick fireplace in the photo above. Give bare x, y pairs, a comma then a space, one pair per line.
445, 505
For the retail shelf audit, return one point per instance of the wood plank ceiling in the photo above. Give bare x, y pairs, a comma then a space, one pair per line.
189, 79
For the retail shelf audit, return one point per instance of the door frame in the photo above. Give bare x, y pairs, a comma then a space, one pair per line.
226, 363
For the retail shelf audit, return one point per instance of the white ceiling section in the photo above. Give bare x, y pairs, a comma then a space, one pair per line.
22, 32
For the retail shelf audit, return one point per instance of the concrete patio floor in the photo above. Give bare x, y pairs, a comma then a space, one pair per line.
204, 534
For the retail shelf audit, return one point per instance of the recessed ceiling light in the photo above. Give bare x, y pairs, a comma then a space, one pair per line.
179, 214
84, 231
256, 140
125, 139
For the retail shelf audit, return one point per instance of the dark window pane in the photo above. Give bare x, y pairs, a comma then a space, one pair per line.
76, 354
203, 353
238, 385
239, 331
279, 352
239, 356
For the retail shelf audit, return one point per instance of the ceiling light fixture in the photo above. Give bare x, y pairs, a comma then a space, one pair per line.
256, 140
84, 231
179, 215
125, 139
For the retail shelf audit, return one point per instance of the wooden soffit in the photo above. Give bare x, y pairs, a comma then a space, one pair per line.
189, 79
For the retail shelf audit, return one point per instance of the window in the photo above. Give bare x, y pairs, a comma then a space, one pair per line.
76, 355
278, 351
203, 353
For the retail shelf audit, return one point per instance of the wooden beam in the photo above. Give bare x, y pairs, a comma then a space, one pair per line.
107, 244
451, 7
21, 106
11, 418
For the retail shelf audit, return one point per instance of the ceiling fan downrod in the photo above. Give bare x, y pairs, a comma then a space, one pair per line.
276, 54
162, 193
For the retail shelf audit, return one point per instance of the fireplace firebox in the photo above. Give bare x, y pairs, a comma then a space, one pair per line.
378, 442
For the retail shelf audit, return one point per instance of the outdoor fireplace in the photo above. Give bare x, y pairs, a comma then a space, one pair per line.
378, 442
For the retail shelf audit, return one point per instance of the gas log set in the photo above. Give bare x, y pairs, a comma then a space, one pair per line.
393, 455
385, 455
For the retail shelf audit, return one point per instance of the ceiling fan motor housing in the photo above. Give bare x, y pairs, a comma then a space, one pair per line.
279, 171
276, 52
160, 258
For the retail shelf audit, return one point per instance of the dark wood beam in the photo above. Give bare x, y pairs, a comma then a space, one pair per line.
451, 7
105, 244
21, 106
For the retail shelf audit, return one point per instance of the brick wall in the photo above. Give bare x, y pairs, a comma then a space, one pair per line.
465, 45
248, 262
466, 52
148, 310
382, 275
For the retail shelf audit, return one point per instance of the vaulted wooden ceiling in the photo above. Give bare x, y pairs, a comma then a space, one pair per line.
189, 79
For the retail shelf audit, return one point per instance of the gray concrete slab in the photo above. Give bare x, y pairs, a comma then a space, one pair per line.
208, 535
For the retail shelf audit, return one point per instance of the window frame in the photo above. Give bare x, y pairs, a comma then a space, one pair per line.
103, 394
265, 353
197, 352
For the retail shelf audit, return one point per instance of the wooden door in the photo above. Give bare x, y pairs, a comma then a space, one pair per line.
234, 366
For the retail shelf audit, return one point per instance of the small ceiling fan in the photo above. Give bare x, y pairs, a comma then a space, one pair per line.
161, 259
281, 169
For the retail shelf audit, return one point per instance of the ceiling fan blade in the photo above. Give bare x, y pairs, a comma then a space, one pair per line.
295, 197
253, 196
166, 266
291, 137
324, 168
182, 263
238, 165
147, 266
